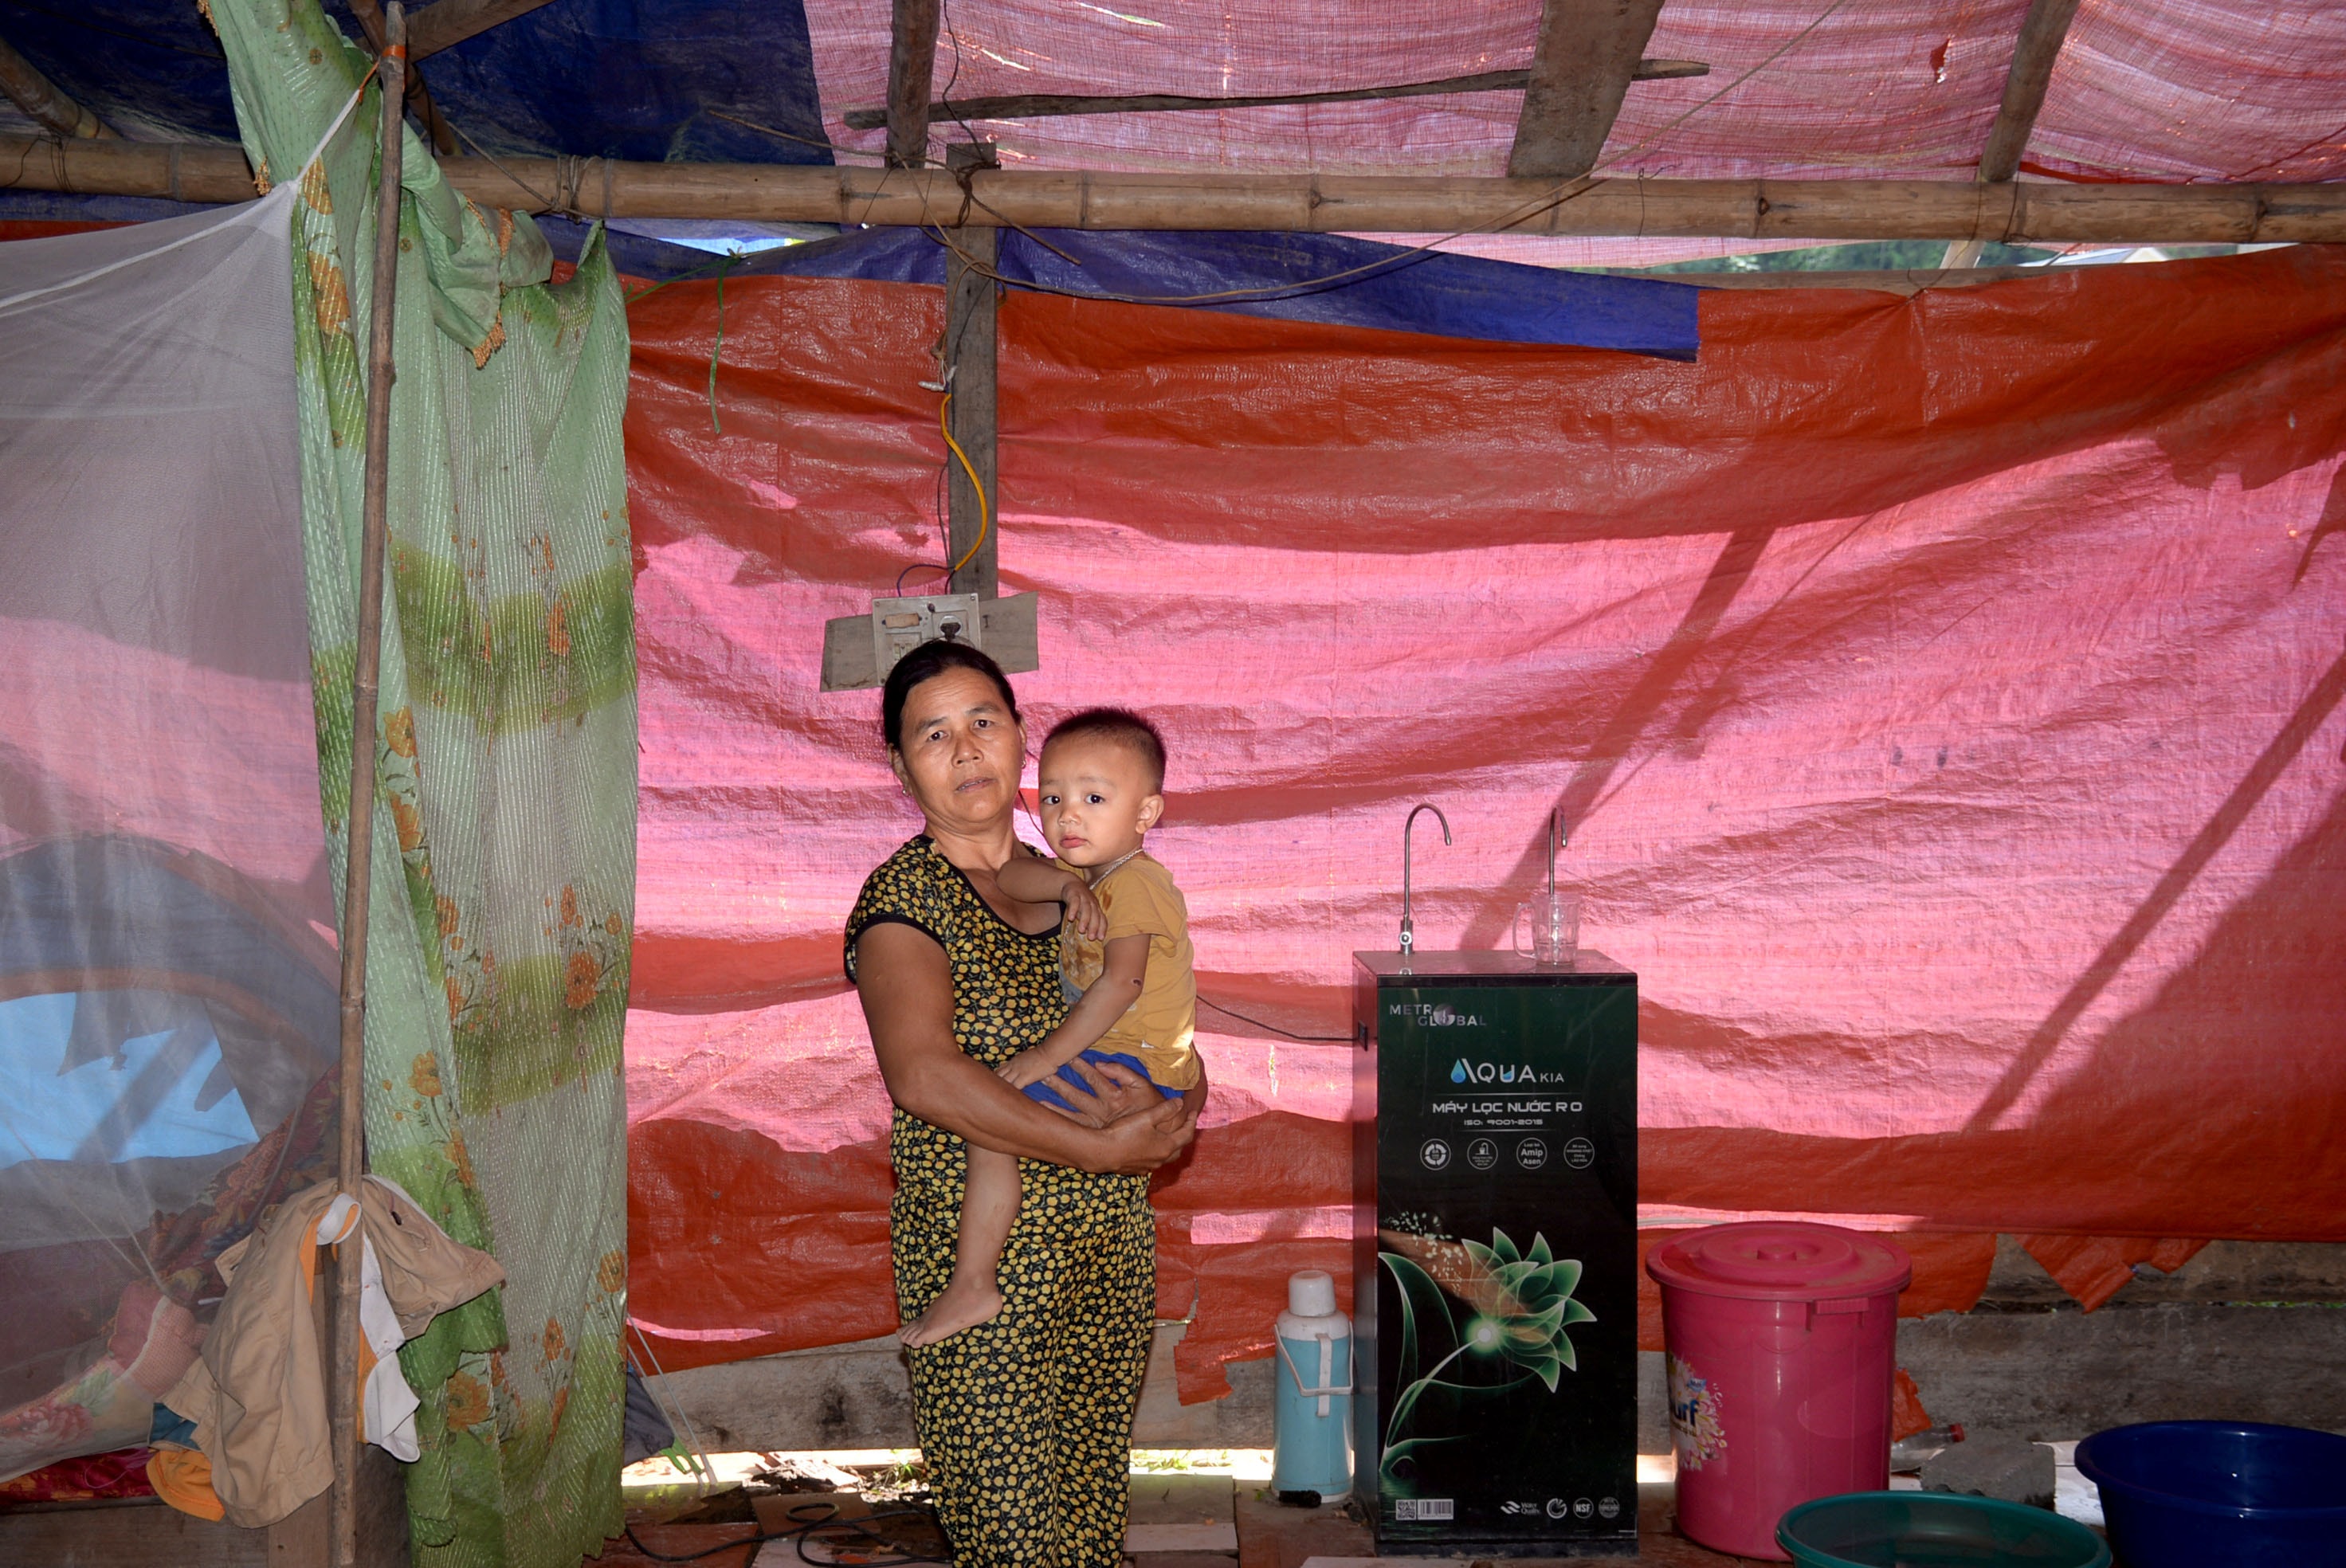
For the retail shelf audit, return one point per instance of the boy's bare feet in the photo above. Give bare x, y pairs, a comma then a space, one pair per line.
963, 1306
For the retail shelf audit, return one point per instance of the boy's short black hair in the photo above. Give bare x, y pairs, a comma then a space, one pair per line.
1125, 728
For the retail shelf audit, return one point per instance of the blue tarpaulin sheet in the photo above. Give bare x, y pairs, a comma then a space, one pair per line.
639, 79
1324, 277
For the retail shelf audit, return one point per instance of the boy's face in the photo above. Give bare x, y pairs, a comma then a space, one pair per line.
1095, 799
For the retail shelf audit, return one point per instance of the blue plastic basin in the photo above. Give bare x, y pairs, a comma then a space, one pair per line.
2213, 1494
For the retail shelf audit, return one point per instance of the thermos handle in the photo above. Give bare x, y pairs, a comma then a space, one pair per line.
1327, 1370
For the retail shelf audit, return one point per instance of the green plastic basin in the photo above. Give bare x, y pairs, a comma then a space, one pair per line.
1933, 1530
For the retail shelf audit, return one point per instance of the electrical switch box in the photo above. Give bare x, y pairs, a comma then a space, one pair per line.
900, 626
858, 651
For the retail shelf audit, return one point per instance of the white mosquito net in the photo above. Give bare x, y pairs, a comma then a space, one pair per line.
167, 959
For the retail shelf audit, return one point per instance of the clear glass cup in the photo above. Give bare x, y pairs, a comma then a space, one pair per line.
1547, 929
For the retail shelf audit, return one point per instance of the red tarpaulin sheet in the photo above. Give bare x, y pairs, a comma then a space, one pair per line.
1942, 693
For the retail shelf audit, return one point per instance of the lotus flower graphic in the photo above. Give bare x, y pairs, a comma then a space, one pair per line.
1520, 1304
1530, 1306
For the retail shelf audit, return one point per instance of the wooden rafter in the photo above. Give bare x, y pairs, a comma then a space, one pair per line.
41, 100
1586, 57
2042, 33
912, 70
445, 23
2041, 36
419, 97
2015, 211
1045, 106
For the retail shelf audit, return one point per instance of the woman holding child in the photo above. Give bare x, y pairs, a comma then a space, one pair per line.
1029, 1315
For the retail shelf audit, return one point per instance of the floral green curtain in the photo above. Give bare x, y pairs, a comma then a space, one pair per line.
504, 860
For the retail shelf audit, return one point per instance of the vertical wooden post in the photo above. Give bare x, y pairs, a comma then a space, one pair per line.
912, 68
969, 372
342, 1387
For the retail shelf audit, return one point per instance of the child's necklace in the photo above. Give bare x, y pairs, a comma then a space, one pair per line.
1110, 869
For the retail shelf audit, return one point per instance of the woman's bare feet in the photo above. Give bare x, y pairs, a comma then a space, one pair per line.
963, 1306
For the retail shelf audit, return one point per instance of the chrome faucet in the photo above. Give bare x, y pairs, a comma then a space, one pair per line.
1408, 927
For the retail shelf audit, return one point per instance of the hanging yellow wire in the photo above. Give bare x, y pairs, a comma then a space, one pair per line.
985, 513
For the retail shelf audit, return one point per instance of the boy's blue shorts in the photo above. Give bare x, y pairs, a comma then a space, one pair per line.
1048, 1092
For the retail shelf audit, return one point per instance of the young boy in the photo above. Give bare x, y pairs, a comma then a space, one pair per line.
1102, 782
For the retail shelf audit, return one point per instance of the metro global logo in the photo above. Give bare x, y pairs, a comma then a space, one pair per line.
1465, 1072
1435, 1014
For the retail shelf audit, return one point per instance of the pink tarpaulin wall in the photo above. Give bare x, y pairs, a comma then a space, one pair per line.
1943, 693
1824, 89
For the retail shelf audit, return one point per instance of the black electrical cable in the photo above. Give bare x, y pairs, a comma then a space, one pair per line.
852, 1529
1275, 1029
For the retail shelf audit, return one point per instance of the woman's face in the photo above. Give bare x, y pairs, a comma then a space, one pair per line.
960, 752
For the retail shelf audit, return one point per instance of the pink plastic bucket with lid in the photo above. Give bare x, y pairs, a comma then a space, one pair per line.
1783, 1340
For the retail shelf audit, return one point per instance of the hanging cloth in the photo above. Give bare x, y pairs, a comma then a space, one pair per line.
258, 1394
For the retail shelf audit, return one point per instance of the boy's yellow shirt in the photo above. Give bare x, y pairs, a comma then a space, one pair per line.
1161, 1029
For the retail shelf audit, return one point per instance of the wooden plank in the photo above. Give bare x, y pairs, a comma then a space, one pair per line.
446, 23
1009, 633
847, 656
972, 513
145, 1535
144, 1532
1583, 63
1047, 105
2059, 1374
2041, 36
912, 71
2294, 1272
2013, 212
43, 100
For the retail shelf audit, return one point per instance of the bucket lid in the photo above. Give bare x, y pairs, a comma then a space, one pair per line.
1782, 1260
1310, 1293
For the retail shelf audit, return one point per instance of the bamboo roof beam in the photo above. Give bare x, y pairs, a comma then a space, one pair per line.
1047, 105
2013, 212
1582, 66
911, 72
41, 99
2042, 33
446, 23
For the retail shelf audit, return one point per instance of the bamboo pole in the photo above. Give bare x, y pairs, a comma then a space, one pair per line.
40, 98
342, 1391
1049, 105
2017, 212
2042, 33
